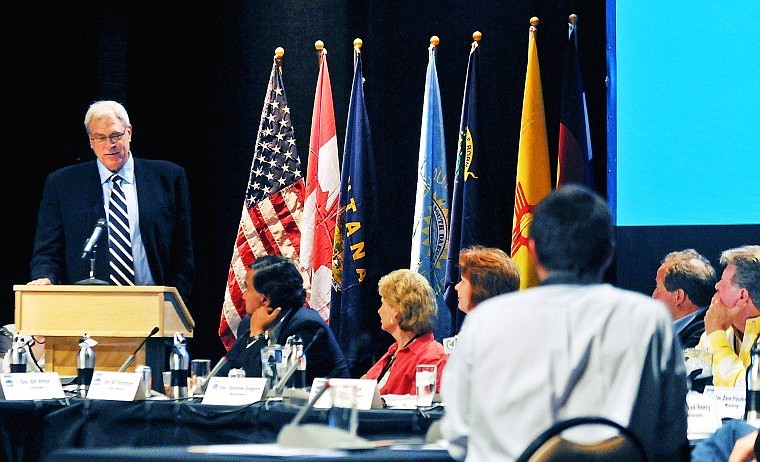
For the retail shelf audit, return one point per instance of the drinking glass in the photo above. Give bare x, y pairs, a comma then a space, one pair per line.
698, 359
199, 371
274, 363
425, 378
342, 413
167, 378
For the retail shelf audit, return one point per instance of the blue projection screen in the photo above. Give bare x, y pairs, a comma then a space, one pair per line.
684, 144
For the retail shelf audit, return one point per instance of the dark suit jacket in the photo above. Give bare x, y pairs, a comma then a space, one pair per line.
690, 333
323, 359
72, 202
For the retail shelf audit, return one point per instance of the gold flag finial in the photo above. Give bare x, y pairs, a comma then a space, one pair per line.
278, 52
434, 40
358, 43
477, 36
319, 45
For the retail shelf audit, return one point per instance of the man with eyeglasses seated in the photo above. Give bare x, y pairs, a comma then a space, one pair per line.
141, 207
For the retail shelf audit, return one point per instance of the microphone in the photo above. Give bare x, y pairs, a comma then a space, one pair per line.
93, 240
131, 357
316, 435
292, 368
219, 365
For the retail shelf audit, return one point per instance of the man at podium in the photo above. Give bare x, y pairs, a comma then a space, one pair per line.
118, 219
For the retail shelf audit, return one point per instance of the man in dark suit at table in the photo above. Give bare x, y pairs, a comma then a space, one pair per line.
149, 212
685, 283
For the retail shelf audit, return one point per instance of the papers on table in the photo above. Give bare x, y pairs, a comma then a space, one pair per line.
400, 401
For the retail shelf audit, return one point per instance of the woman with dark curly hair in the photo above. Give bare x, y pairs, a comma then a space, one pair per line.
408, 313
275, 305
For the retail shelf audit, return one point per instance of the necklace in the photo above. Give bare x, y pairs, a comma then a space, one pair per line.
392, 358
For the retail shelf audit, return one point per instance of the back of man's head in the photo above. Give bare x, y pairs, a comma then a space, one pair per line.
691, 272
572, 232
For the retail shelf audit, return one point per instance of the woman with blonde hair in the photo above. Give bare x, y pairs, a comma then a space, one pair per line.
408, 313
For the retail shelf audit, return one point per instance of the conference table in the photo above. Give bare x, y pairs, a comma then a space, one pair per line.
205, 453
86, 429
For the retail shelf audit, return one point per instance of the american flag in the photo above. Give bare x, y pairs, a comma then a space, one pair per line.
273, 204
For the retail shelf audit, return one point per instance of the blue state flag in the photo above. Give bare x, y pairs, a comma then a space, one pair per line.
431, 207
468, 221
354, 302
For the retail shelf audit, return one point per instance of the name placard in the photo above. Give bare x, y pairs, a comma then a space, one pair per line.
366, 392
702, 417
114, 386
234, 390
23, 386
729, 401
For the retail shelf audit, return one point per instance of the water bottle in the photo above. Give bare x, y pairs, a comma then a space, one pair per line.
85, 364
179, 363
298, 379
752, 402
18, 354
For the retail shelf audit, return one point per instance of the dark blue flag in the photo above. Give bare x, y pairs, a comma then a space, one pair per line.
468, 223
353, 313
574, 158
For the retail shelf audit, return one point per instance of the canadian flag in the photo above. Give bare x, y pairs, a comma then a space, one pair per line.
322, 190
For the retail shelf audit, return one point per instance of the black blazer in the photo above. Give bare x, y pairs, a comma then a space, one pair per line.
689, 335
72, 202
323, 359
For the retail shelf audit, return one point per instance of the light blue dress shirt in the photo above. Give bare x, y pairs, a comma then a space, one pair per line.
143, 276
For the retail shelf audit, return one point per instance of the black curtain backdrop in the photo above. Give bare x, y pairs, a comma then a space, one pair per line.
193, 76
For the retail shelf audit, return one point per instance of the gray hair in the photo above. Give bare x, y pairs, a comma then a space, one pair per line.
100, 109
746, 259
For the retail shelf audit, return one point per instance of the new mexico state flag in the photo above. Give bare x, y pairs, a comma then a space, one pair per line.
533, 173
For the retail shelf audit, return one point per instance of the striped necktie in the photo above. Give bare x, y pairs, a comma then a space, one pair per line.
119, 243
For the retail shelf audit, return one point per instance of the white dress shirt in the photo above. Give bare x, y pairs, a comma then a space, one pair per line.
558, 351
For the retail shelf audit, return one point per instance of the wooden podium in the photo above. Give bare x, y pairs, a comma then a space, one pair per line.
117, 317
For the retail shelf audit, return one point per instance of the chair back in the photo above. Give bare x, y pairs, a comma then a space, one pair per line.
550, 446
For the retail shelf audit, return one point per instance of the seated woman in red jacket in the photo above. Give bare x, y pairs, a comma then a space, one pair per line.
408, 313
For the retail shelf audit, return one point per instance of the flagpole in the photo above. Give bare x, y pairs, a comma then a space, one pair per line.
278, 52
572, 22
320, 46
476, 36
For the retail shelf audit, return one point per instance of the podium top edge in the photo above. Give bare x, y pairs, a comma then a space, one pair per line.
89, 288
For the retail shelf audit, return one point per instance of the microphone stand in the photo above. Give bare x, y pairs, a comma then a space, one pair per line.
296, 435
131, 357
92, 281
